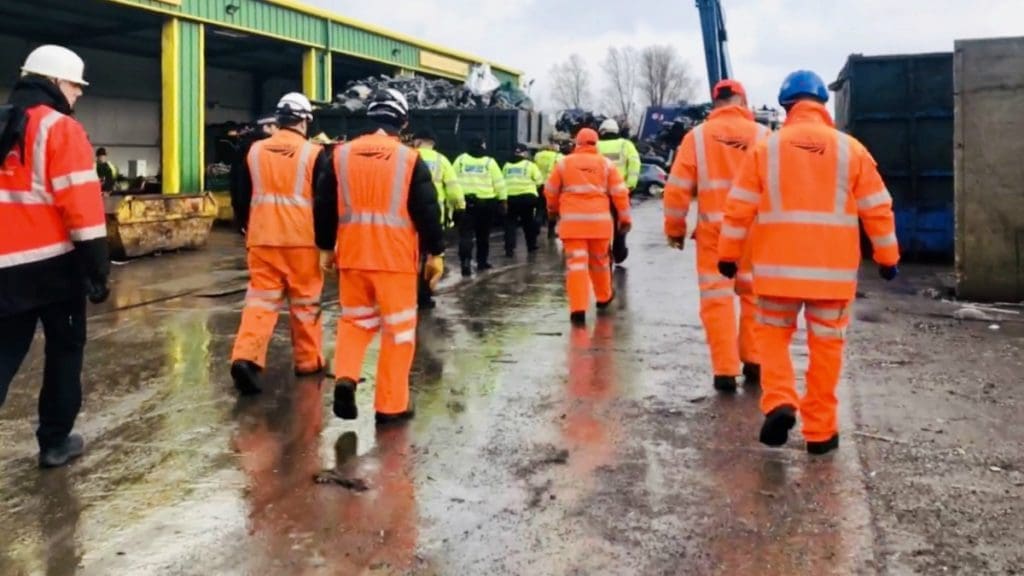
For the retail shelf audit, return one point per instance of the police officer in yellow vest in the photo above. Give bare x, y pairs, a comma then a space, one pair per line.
484, 188
546, 159
626, 158
449, 198
522, 180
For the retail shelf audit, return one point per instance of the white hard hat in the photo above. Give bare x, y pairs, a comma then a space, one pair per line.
56, 62
609, 126
296, 105
388, 102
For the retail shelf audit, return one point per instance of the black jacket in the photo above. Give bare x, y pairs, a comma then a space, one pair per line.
422, 205
29, 286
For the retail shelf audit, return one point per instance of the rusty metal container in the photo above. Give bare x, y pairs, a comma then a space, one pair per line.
148, 223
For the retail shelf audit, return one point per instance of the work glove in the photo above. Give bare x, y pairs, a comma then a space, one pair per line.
676, 242
433, 270
888, 273
727, 269
625, 227
97, 291
327, 260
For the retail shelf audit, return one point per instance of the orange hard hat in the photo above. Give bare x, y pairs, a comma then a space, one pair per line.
586, 137
728, 88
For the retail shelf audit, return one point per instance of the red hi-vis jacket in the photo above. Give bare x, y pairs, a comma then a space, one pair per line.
50, 197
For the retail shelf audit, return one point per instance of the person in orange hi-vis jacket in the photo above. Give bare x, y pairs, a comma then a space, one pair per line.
807, 187
274, 205
577, 195
705, 165
374, 210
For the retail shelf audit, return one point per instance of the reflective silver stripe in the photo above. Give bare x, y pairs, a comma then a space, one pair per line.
374, 218
788, 322
827, 314
577, 266
711, 278
305, 317
312, 301
808, 217
843, 172
300, 177
744, 195
884, 241
586, 217
716, 185
405, 337
774, 183
342, 168
776, 306
719, 293
255, 175
675, 213
619, 189
702, 157
400, 317
367, 323
358, 311
578, 254
278, 200
712, 217
398, 184
683, 183
552, 189
26, 197
256, 303
805, 273
580, 188
745, 277
876, 199
266, 294
826, 331
762, 131
35, 254
39, 155
734, 232
74, 179
88, 233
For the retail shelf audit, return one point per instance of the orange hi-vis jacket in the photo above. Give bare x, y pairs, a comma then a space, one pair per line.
580, 191
806, 186
282, 191
50, 197
375, 231
706, 163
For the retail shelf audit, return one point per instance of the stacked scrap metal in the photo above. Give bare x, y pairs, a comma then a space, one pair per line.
426, 94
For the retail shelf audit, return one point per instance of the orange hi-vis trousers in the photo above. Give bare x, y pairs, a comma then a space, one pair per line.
588, 262
274, 274
718, 314
373, 302
827, 321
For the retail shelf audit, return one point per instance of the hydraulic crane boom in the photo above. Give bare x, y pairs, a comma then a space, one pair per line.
716, 50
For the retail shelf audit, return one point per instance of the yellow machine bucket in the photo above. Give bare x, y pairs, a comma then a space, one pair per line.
144, 224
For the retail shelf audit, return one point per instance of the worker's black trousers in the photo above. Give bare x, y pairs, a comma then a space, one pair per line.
522, 213
475, 225
542, 216
61, 396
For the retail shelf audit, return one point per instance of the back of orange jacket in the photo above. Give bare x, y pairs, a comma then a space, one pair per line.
281, 168
580, 192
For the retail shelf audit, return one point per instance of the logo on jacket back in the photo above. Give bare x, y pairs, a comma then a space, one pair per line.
286, 151
810, 146
383, 154
733, 142
474, 168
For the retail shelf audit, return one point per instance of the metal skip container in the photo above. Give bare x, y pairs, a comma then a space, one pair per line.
148, 223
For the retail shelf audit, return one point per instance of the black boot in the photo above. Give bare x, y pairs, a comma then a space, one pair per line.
604, 305
726, 384
578, 318
345, 399
619, 249
822, 448
395, 419
467, 269
777, 424
751, 375
246, 375
427, 304
483, 266
56, 456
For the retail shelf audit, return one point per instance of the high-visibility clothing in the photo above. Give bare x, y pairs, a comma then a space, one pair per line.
375, 231
705, 164
546, 160
480, 177
625, 157
449, 193
580, 192
588, 265
806, 186
372, 302
827, 321
277, 274
281, 213
522, 178
49, 192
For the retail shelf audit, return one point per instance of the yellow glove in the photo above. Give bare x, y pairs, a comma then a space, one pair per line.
433, 270
327, 262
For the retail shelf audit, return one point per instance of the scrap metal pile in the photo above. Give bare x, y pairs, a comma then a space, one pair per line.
426, 94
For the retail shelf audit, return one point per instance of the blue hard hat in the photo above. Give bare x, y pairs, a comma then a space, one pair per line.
802, 83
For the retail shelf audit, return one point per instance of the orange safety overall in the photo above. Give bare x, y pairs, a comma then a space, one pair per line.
807, 187
705, 165
282, 253
378, 260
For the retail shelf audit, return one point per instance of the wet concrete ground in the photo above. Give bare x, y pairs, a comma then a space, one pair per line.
537, 449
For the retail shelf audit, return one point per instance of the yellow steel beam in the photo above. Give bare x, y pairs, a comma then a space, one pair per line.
309, 73
170, 71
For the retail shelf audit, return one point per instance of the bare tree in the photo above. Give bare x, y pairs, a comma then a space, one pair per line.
570, 82
622, 81
664, 77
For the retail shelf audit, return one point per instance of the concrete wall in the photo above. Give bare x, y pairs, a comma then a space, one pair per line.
989, 161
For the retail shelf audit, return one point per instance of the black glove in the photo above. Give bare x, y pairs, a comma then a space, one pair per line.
97, 291
727, 269
457, 216
888, 273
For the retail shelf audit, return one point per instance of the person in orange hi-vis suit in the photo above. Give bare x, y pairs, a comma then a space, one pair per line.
807, 187
274, 205
705, 165
373, 211
577, 195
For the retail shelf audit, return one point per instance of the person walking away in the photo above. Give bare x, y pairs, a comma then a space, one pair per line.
105, 170
626, 159
807, 187
704, 167
522, 180
580, 193
53, 249
274, 202
449, 198
374, 211
546, 159
486, 199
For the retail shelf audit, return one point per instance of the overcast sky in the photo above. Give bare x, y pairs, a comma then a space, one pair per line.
767, 38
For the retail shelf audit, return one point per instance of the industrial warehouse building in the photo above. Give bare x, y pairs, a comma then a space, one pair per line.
163, 72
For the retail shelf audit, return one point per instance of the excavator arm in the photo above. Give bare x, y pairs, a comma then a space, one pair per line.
716, 50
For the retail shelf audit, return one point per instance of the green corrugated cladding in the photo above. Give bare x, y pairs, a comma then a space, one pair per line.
360, 42
192, 105
323, 75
